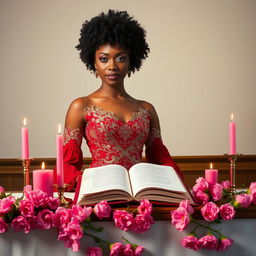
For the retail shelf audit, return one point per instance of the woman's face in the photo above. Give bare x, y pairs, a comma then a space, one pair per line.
111, 63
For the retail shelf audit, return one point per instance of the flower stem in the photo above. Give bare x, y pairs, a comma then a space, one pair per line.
206, 226
95, 237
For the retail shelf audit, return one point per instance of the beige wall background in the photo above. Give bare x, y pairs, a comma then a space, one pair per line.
201, 68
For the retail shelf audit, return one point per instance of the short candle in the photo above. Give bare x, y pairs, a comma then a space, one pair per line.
43, 180
211, 175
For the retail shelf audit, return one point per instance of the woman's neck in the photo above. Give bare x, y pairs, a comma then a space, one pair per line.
112, 91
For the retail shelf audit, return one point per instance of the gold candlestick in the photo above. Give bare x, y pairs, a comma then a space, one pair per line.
61, 190
26, 173
232, 159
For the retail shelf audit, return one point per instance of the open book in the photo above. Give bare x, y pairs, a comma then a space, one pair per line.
142, 181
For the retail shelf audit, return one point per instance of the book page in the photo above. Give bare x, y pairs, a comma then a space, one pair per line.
145, 175
104, 178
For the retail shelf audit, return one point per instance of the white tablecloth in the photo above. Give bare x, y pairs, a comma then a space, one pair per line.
161, 240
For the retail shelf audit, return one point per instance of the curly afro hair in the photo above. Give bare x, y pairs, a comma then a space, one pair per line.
113, 27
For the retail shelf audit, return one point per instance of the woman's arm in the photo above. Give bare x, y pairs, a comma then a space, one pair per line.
73, 135
156, 152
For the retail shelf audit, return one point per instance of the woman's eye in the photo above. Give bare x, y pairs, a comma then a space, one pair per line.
121, 59
103, 59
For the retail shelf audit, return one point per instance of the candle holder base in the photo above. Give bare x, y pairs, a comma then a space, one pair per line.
60, 191
232, 159
26, 173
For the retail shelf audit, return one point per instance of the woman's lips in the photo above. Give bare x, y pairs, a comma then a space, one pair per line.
112, 77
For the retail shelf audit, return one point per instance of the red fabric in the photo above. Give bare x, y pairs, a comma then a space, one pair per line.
111, 141
157, 153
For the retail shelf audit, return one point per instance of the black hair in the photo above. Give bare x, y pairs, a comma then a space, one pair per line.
113, 27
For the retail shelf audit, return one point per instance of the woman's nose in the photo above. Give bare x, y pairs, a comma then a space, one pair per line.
112, 65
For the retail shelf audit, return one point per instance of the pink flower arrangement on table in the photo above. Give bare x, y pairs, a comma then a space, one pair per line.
212, 213
36, 210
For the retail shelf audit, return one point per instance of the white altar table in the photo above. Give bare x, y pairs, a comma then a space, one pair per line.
162, 240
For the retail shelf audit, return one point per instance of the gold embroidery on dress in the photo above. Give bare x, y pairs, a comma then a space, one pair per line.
110, 142
111, 114
73, 134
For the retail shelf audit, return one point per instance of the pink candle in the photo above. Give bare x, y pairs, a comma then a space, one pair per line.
24, 141
59, 151
232, 136
43, 180
211, 175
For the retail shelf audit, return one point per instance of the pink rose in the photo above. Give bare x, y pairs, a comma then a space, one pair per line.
180, 218
226, 185
94, 251
102, 210
27, 208
252, 191
201, 197
3, 226
252, 187
27, 189
210, 211
33, 223
142, 223
185, 204
2, 192
243, 200
72, 234
38, 197
20, 223
190, 242
123, 219
138, 250
225, 243
6, 204
45, 219
81, 213
201, 184
216, 191
208, 242
145, 207
62, 217
53, 202
128, 251
116, 249
227, 211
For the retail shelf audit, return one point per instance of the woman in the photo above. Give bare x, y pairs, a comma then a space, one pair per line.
115, 125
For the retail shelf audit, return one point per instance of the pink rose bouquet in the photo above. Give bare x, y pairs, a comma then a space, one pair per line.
36, 210
216, 203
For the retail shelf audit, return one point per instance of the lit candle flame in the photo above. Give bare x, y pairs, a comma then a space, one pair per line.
211, 165
43, 165
59, 129
24, 121
232, 117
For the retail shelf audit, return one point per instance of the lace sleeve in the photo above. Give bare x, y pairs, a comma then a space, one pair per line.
73, 134
153, 134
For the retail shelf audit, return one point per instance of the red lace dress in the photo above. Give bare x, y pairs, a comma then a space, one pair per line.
111, 141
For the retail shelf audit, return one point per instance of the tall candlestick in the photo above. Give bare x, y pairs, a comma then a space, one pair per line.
59, 151
232, 136
24, 141
211, 175
43, 180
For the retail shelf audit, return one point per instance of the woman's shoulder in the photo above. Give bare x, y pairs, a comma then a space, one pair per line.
80, 103
146, 105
